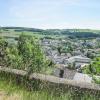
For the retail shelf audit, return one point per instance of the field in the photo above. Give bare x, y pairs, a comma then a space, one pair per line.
13, 34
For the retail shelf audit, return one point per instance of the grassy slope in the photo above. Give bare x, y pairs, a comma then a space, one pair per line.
10, 91
12, 34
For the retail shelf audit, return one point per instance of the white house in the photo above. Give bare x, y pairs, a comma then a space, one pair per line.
82, 78
79, 60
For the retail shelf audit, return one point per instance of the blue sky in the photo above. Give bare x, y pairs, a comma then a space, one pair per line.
50, 13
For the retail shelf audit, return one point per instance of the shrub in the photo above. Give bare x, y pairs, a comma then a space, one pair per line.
27, 54
3, 45
96, 80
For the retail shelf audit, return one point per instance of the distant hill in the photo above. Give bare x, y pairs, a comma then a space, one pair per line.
72, 33
21, 29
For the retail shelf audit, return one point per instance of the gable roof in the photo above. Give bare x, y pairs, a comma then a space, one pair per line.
79, 59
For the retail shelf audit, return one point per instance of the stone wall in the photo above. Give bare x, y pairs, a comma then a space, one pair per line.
52, 79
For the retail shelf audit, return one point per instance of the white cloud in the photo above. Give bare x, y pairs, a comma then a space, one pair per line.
38, 9
48, 14
34, 10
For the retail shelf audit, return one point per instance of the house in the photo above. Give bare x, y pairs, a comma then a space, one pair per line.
78, 52
63, 72
79, 60
82, 78
46, 42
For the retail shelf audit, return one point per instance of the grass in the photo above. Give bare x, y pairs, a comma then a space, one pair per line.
13, 92
9, 90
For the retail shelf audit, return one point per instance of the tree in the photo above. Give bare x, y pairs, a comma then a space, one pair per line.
13, 59
92, 69
90, 55
59, 50
27, 54
3, 46
30, 50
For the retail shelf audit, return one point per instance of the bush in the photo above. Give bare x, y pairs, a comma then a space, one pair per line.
27, 54
3, 45
31, 53
96, 80
93, 68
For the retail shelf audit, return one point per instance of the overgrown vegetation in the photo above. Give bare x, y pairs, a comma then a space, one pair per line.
96, 79
93, 68
26, 54
41, 90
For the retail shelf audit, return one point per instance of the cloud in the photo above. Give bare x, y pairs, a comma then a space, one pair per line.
34, 9
52, 13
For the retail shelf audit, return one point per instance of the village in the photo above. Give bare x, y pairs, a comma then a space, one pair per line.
70, 56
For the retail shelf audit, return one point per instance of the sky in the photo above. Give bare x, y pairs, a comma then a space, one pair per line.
50, 14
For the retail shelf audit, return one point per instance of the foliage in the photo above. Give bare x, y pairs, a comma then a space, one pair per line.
96, 80
93, 68
3, 45
90, 55
72, 33
31, 53
59, 50
21, 29
27, 54
46, 92
13, 58
67, 49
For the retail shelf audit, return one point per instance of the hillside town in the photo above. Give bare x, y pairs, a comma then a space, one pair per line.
71, 55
